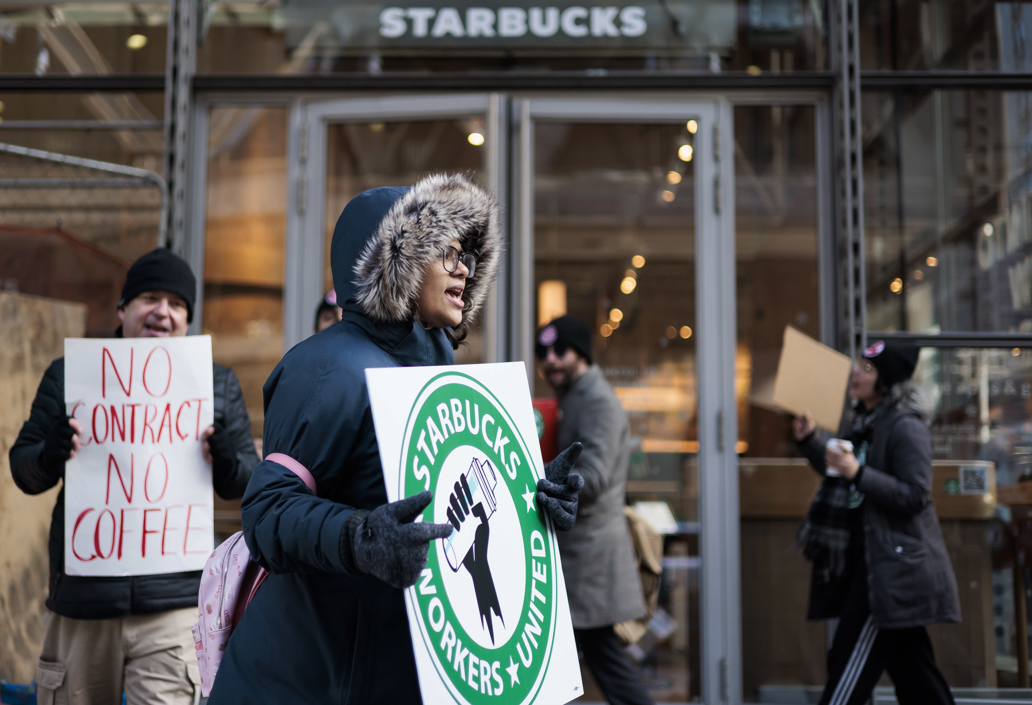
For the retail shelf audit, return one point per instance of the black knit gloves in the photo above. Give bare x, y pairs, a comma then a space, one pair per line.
387, 544
223, 454
558, 489
57, 448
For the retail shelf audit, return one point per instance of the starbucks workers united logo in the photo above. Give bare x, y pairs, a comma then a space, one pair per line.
486, 603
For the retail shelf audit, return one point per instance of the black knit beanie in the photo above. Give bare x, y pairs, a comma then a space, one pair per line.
564, 332
894, 360
161, 270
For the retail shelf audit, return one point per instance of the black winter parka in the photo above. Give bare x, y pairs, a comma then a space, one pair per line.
910, 580
81, 597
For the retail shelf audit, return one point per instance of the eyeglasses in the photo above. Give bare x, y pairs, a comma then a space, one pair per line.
451, 257
542, 350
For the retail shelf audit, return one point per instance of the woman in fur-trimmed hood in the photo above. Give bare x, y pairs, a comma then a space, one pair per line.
872, 535
411, 268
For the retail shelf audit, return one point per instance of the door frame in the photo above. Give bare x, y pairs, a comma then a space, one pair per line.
720, 609
306, 159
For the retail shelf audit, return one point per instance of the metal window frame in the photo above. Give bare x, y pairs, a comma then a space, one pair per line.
310, 117
720, 590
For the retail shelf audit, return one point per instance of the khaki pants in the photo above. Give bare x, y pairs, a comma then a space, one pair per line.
93, 661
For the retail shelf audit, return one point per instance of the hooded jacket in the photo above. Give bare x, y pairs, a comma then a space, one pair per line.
315, 633
110, 597
910, 580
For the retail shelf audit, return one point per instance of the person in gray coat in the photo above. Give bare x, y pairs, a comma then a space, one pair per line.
879, 560
602, 581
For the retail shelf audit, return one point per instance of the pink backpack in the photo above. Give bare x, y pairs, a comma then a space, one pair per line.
228, 583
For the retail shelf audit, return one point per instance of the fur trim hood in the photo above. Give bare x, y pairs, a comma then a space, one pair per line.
401, 231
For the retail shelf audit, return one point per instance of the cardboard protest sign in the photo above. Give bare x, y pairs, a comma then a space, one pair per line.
138, 495
811, 377
489, 618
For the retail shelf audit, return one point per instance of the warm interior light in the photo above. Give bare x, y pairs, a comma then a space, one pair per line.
686, 332
896, 286
753, 70
606, 330
685, 153
1016, 351
613, 324
918, 274
630, 273
671, 332
932, 262
136, 41
376, 126
616, 315
551, 301
638, 261
628, 284
476, 139
667, 196
1, 106
673, 177
693, 126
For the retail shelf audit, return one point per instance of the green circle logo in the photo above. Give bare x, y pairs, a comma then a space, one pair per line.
486, 603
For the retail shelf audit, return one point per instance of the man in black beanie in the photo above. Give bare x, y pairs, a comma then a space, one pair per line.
879, 561
105, 636
602, 580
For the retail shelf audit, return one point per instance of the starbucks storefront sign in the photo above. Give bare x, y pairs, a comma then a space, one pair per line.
489, 617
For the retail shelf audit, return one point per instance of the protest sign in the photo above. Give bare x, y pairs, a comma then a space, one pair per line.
489, 618
811, 377
138, 494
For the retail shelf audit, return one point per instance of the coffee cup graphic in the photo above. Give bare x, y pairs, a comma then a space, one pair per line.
475, 486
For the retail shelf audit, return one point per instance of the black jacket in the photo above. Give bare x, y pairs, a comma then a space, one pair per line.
910, 579
110, 597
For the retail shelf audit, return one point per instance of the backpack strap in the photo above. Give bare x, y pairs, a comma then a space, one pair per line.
295, 467
306, 477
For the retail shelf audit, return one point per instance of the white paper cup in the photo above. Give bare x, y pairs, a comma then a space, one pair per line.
840, 445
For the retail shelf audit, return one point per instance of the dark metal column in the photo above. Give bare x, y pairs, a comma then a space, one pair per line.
849, 201
179, 71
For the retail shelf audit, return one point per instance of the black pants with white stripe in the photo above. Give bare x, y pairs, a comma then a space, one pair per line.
861, 652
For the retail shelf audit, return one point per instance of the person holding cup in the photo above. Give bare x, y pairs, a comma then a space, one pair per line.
879, 561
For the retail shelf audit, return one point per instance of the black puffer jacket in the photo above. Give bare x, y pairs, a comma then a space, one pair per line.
106, 598
910, 580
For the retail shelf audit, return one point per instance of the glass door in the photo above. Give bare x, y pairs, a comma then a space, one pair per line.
343, 147
623, 220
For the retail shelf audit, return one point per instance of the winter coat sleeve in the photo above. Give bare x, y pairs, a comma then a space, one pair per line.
314, 419
908, 488
231, 482
48, 408
598, 429
812, 448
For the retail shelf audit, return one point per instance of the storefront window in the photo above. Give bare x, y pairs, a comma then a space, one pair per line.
365, 155
776, 245
945, 36
947, 193
614, 245
319, 36
69, 229
245, 245
83, 38
979, 403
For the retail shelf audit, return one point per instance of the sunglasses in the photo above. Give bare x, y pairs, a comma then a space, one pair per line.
541, 351
451, 257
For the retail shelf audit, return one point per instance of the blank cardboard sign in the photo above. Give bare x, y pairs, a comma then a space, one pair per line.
811, 377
